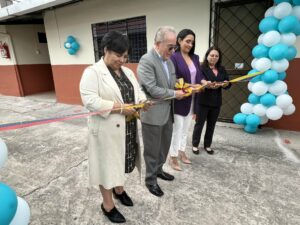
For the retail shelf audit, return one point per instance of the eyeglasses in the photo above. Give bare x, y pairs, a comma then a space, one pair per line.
172, 47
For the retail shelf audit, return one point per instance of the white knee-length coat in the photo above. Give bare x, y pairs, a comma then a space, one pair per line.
106, 151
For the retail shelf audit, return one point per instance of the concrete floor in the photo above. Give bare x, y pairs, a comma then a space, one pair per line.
252, 179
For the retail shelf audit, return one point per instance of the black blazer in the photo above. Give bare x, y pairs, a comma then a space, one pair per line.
212, 97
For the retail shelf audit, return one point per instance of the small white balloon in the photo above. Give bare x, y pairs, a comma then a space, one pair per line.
68, 45
259, 110
250, 85
263, 120
260, 88
270, 11
247, 108
283, 101
282, 10
279, 87
288, 39
296, 11
3, 153
263, 64
22, 215
260, 39
271, 38
280, 65
274, 113
253, 62
289, 110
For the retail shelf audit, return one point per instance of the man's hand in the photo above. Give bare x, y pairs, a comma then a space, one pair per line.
147, 105
179, 94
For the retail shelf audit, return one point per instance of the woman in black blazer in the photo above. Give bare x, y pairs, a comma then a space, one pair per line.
208, 103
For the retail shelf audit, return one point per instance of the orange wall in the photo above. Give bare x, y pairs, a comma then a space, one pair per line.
9, 81
36, 78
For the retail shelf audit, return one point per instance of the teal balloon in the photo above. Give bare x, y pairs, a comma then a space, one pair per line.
296, 2
256, 78
70, 39
268, 100
269, 77
71, 51
253, 120
291, 53
8, 204
287, 24
278, 52
260, 51
240, 118
281, 76
250, 129
253, 99
280, 1
75, 45
268, 23
297, 29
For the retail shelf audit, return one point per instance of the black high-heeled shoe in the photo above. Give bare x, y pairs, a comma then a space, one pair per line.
123, 197
113, 215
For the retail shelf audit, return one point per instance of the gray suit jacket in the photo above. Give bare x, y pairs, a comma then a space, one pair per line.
154, 80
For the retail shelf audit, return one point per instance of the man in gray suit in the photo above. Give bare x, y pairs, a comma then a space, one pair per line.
157, 76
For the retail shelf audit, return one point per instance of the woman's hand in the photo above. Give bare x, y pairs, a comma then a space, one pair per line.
127, 110
225, 83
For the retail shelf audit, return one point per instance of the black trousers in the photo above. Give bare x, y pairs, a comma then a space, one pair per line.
210, 115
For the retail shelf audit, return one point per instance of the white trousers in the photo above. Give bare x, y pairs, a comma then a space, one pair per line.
180, 132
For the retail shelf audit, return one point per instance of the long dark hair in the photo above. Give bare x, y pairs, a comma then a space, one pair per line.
205, 62
181, 35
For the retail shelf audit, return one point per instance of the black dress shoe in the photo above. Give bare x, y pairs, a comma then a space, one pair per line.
195, 151
209, 150
124, 198
165, 176
113, 215
155, 190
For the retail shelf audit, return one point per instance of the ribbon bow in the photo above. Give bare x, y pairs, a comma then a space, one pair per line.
185, 87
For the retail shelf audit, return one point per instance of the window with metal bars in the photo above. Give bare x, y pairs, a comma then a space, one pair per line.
134, 28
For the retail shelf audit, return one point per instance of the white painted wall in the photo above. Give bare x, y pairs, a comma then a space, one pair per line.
76, 20
28, 50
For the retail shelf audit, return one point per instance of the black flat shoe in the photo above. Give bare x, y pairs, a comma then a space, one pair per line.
155, 190
113, 215
124, 198
165, 176
195, 151
209, 150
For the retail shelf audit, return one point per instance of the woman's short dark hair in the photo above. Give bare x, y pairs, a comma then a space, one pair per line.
181, 35
219, 63
115, 41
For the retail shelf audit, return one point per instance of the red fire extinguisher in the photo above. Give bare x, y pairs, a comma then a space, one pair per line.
4, 50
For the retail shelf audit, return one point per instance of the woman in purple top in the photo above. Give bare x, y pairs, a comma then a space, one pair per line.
187, 66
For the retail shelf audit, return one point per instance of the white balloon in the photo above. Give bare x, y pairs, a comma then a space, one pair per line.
274, 113
3, 153
253, 62
260, 39
247, 108
280, 65
260, 88
288, 38
296, 11
282, 10
262, 64
279, 87
271, 38
289, 110
250, 85
270, 11
263, 120
68, 45
259, 110
22, 215
283, 101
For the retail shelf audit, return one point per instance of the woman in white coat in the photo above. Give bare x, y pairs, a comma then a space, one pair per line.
109, 88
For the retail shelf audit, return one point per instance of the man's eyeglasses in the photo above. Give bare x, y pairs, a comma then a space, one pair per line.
172, 47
